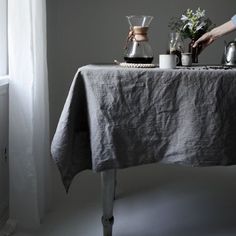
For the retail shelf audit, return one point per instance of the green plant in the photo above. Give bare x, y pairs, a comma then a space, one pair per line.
191, 24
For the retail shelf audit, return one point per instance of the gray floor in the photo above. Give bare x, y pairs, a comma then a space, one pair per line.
152, 200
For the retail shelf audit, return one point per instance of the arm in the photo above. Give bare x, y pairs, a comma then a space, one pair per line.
217, 32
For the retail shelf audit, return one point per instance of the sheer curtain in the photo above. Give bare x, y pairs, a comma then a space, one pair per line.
28, 112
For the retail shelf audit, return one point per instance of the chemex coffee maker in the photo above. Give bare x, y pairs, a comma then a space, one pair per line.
138, 49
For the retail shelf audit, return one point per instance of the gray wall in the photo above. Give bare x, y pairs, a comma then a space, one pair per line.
85, 31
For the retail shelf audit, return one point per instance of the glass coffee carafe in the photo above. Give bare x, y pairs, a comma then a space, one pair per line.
176, 46
138, 49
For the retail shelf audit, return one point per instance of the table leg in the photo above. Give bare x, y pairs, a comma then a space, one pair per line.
115, 183
108, 191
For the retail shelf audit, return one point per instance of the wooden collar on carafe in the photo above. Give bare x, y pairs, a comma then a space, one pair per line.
138, 33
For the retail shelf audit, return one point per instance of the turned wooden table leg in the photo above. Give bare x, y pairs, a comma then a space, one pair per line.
115, 184
108, 192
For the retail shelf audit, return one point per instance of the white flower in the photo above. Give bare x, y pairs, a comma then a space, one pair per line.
184, 18
188, 25
200, 26
200, 13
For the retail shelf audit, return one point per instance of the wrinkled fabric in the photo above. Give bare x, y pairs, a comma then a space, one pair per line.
118, 117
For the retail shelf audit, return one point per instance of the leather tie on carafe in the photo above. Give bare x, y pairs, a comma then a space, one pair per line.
138, 34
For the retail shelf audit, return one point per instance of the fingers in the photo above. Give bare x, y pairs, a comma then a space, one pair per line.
202, 40
196, 43
210, 41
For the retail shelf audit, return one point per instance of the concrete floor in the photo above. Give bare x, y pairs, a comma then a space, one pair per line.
152, 200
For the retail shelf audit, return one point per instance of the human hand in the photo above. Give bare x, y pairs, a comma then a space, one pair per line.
209, 37
205, 40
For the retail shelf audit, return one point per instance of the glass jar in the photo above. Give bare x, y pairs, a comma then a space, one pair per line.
176, 46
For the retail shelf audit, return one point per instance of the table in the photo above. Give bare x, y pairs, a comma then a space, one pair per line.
118, 117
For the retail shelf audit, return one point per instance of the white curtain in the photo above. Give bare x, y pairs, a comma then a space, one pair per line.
28, 112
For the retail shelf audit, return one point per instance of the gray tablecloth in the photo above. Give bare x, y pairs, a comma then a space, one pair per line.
120, 117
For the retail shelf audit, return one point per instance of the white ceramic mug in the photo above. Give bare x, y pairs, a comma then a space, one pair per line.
167, 61
186, 59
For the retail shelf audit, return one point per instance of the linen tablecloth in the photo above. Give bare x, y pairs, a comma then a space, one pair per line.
118, 117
